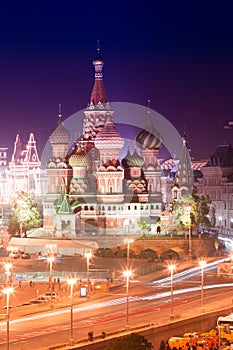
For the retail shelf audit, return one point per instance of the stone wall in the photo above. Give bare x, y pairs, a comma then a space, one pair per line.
200, 246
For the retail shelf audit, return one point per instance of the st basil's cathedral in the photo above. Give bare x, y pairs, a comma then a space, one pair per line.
90, 190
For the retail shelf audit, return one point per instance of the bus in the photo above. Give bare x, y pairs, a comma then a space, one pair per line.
226, 321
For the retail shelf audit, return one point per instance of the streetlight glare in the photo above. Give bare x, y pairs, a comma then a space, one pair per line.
71, 281
128, 273
8, 290
7, 266
51, 259
88, 255
171, 267
202, 263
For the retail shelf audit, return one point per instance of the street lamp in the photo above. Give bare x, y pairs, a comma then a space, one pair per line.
71, 282
188, 208
88, 256
20, 204
128, 241
202, 263
7, 291
50, 260
8, 267
172, 268
127, 275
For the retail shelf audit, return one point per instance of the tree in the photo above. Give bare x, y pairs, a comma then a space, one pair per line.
184, 211
25, 215
144, 227
202, 204
191, 210
132, 341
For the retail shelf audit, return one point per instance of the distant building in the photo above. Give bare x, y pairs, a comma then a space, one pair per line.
23, 171
3, 166
217, 182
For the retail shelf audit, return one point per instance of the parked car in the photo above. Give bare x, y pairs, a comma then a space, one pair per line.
14, 255
39, 300
26, 256
48, 295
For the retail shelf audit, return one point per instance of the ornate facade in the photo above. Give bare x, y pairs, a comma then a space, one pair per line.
103, 194
22, 173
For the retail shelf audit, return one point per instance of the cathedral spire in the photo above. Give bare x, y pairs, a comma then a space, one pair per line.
98, 94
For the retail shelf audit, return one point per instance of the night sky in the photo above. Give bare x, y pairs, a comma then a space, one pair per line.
178, 54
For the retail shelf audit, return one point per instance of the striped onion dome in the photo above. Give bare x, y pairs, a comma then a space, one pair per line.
149, 138
135, 160
126, 159
79, 159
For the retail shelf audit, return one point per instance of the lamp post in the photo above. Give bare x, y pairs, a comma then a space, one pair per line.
7, 291
128, 241
189, 207
2, 228
127, 275
50, 260
88, 256
8, 267
202, 263
71, 282
172, 268
20, 203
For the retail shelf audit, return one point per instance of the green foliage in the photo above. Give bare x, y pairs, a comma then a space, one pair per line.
202, 204
183, 210
25, 215
191, 210
144, 227
132, 341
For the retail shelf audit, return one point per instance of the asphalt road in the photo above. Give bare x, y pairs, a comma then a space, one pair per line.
107, 312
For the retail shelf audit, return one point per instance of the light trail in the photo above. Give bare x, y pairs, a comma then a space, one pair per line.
117, 302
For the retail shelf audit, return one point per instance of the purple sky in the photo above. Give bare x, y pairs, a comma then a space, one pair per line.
177, 54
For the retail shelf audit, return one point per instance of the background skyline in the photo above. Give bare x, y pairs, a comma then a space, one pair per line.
178, 55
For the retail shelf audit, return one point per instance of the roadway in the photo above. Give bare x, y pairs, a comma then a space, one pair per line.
149, 303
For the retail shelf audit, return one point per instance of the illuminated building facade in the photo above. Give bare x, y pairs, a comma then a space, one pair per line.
23, 171
101, 193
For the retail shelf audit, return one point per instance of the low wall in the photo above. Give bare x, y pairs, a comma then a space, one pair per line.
159, 334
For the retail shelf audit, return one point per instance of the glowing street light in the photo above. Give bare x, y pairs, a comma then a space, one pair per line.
8, 291
88, 256
127, 275
188, 208
202, 263
50, 260
20, 204
128, 241
172, 268
8, 267
71, 282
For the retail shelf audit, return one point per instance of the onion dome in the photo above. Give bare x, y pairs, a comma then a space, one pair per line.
79, 159
60, 135
136, 160
149, 137
109, 137
126, 159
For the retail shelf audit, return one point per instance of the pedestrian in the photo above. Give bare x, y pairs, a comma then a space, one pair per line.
19, 284
30, 283
58, 282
